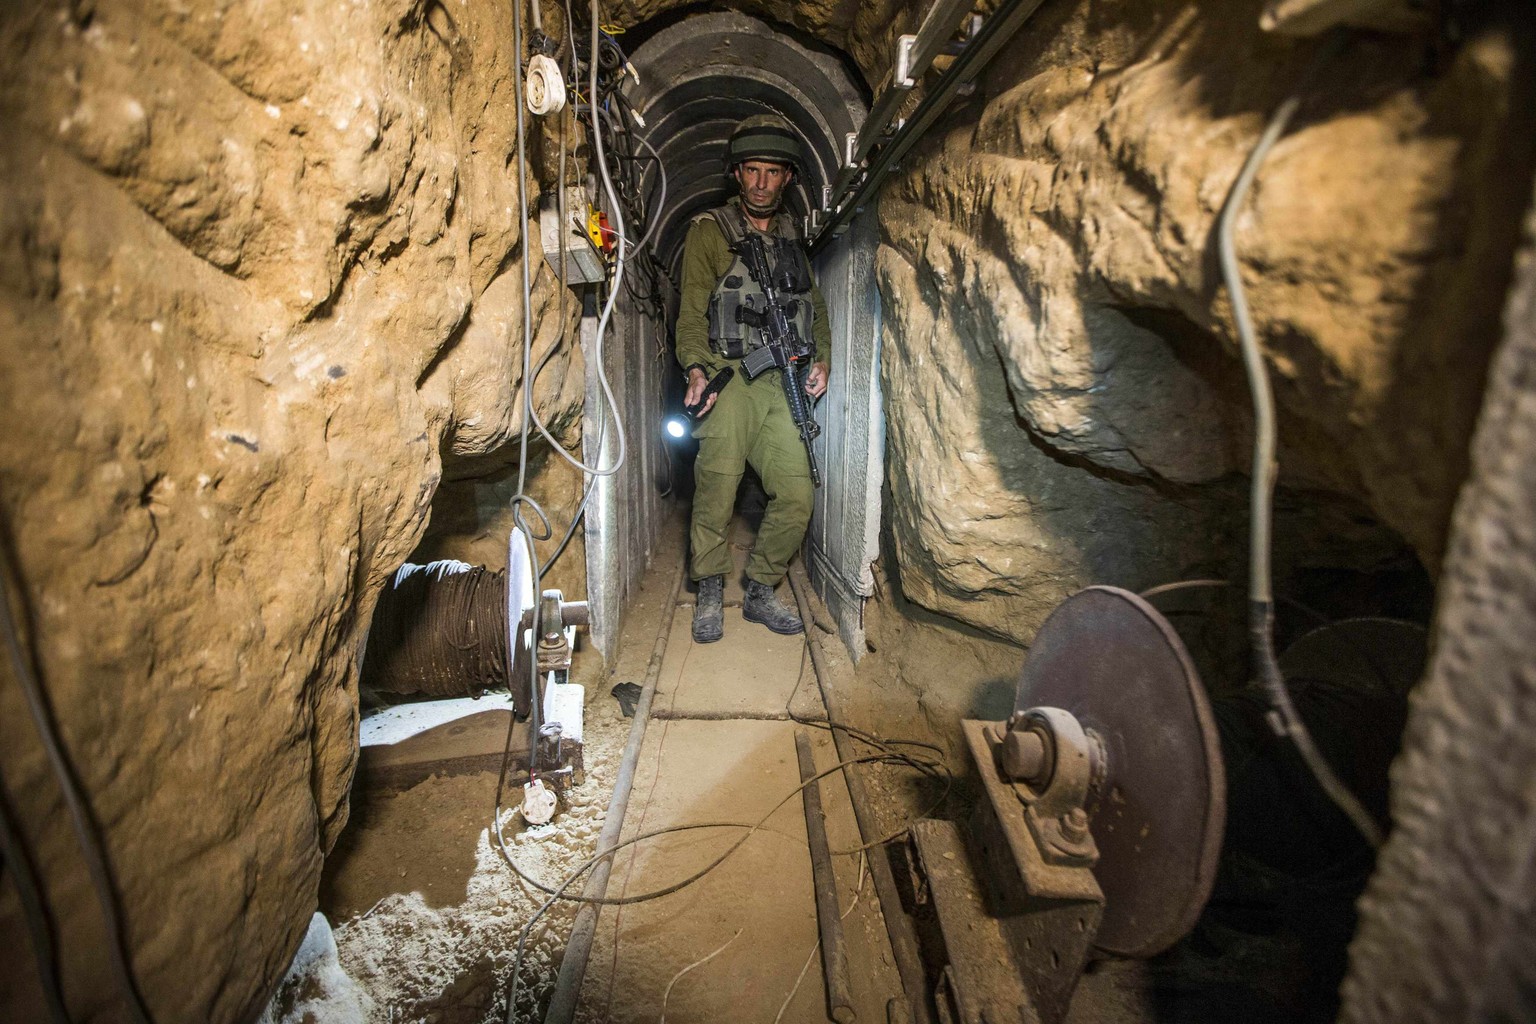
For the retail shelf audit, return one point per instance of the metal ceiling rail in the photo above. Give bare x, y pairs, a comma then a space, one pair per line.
914, 54
858, 185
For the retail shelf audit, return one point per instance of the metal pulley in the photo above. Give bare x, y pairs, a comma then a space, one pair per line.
1101, 818
1143, 750
519, 607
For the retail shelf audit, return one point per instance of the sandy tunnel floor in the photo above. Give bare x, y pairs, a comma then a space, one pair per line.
741, 943
426, 914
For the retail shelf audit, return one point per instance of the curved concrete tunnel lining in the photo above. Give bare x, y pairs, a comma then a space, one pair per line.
697, 79
700, 77
248, 245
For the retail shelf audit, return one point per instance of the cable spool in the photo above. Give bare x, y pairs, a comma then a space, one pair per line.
546, 86
440, 630
450, 629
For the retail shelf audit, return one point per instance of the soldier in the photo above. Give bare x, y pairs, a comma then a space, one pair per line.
747, 423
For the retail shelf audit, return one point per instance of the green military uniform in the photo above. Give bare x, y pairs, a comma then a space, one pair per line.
749, 424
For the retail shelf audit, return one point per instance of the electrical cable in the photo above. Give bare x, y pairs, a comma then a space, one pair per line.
661, 171
660, 202
522, 498
905, 950
1202, 584
559, 893
697, 963
29, 890
561, 213
799, 978
613, 289
1168, 588
1283, 717
936, 768
858, 891
92, 847
668, 890
580, 513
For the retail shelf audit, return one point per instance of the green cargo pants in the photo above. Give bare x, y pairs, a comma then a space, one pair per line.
750, 424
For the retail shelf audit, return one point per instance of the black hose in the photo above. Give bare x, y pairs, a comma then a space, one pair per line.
29, 889
91, 845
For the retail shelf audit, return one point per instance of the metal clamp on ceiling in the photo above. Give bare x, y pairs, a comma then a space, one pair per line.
871, 155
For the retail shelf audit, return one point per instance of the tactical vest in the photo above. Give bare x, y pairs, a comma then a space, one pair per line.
728, 336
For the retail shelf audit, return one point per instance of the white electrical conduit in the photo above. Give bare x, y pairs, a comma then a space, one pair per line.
616, 210
1283, 716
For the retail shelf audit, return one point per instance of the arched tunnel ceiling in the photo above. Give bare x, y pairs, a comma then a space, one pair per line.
700, 77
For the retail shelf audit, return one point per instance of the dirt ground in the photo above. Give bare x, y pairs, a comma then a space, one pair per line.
426, 913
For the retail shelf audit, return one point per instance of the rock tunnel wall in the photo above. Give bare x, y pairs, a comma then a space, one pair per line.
259, 274
1447, 931
1051, 252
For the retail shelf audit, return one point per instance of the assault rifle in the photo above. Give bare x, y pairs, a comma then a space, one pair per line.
783, 348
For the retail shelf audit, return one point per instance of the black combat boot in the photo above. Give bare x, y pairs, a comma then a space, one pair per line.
709, 610
762, 606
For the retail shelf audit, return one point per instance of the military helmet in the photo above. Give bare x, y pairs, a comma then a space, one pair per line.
764, 137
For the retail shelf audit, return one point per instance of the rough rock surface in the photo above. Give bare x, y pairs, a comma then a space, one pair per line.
258, 271
1446, 930
1051, 250
258, 265
472, 515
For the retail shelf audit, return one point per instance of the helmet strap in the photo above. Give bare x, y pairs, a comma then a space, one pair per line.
759, 211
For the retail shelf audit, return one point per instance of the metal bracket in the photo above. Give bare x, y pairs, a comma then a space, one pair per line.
901, 74
1055, 795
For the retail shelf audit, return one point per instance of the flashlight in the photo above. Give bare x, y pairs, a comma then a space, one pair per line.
676, 425
718, 381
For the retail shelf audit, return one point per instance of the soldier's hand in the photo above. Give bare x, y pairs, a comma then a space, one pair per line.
698, 380
816, 380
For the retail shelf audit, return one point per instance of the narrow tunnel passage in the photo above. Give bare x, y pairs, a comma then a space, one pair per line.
699, 79
296, 589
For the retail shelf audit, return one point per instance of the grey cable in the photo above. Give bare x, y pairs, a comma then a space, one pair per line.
1283, 717
613, 292
522, 497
